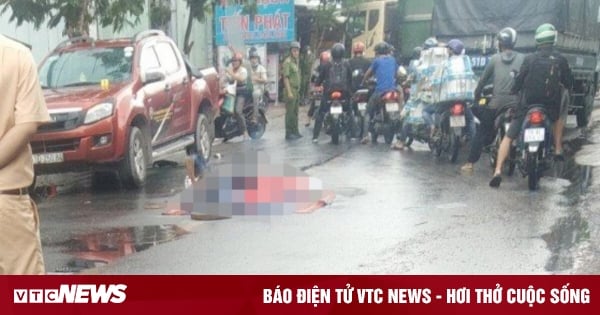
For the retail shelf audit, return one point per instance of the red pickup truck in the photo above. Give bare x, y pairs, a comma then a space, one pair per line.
118, 105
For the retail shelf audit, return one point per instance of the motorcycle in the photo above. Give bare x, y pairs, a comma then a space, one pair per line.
227, 126
316, 97
338, 119
359, 104
386, 120
533, 145
449, 124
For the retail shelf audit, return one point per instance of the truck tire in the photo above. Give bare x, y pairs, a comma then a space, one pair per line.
203, 137
133, 168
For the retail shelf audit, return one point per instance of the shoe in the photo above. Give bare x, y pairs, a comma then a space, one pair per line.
468, 167
496, 180
365, 140
292, 137
559, 157
397, 146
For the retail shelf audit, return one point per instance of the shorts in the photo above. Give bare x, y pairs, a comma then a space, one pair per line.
20, 243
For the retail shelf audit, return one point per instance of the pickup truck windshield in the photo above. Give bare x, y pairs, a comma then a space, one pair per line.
86, 67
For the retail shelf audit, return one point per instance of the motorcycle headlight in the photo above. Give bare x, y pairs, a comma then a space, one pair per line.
98, 112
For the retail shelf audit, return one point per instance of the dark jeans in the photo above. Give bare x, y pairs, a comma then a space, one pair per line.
487, 117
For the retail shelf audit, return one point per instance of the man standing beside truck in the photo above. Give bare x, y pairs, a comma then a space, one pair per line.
538, 68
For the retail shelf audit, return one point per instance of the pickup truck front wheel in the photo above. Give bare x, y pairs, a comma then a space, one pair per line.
203, 137
132, 170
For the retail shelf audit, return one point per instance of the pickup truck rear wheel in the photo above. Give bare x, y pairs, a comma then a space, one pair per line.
203, 137
132, 169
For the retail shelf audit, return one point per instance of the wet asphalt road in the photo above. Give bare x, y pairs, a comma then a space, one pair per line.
394, 213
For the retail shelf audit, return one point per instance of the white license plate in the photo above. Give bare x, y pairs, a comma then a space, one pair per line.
48, 158
392, 107
336, 109
534, 134
362, 106
458, 121
571, 120
506, 126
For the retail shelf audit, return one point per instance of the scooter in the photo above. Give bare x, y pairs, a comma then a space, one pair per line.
534, 145
450, 122
227, 126
386, 120
338, 119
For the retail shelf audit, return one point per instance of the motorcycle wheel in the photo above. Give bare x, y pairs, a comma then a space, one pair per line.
453, 148
257, 129
335, 134
512, 156
360, 132
388, 135
374, 137
495, 148
532, 171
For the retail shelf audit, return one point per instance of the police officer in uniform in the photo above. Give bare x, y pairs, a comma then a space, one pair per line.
291, 81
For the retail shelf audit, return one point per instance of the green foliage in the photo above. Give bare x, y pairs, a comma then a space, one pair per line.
77, 15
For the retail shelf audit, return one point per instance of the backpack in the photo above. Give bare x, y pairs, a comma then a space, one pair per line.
338, 76
542, 83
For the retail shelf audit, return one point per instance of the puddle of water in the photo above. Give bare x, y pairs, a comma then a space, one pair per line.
102, 247
563, 237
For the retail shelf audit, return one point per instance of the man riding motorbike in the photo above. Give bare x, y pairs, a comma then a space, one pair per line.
534, 70
501, 71
384, 69
259, 78
324, 59
329, 84
235, 72
457, 65
358, 65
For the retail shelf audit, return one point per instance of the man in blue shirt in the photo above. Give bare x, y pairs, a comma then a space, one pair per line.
384, 68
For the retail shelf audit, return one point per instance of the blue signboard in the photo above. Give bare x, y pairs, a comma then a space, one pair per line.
273, 22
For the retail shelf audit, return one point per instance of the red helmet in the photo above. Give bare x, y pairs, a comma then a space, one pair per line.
325, 57
359, 47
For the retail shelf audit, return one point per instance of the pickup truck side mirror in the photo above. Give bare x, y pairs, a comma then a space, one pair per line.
153, 75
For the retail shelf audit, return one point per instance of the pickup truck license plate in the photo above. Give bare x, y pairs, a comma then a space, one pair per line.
391, 107
336, 109
457, 121
48, 158
362, 106
534, 134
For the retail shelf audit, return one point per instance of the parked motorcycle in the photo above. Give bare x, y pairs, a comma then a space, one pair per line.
534, 144
227, 126
386, 120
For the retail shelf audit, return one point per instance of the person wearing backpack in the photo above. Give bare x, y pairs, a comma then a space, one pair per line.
541, 79
501, 72
335, 76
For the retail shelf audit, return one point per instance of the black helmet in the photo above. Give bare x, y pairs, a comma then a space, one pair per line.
337, 51
507, 37
382, 48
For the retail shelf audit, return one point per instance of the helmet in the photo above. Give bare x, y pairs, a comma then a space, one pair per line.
507, 37
382, 48
295, 45
456, 46
237, 57
359, 47
337, 51
545, 34
430, 42
417, 52
401, 73
325, 57
253, 54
